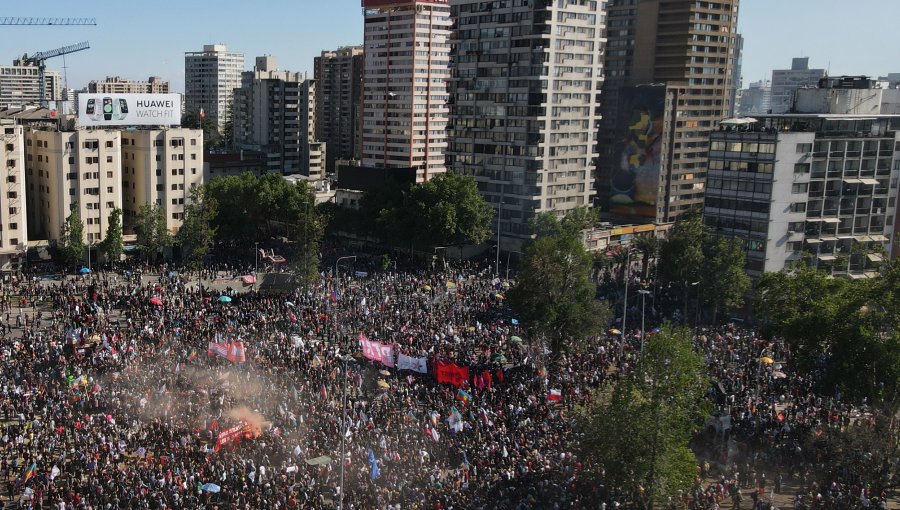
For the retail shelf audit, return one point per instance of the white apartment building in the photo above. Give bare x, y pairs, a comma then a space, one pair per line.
407, 57
525, 86
21, 85
275, 112
72, 169
13, 222
160, 167
116, 85
210, 77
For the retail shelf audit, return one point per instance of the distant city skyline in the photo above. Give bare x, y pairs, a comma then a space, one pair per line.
138, 42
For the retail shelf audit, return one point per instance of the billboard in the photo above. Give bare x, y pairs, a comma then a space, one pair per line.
129, 109
639, 135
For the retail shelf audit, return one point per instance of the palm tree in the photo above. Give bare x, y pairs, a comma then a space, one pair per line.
601, 262
647, 245
621, 257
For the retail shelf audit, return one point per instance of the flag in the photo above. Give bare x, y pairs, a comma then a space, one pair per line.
373, 466
554, 396
455, 420
464, 396
434, 418
29, 472
323, 392
237, 352
202, 114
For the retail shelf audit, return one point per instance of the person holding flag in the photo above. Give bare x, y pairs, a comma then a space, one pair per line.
375, 471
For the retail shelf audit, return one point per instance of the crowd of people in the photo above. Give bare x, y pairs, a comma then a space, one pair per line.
112, 397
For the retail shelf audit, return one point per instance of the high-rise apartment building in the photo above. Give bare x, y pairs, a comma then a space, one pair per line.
524, 105
275, 112
210, 77
756, 99
20, 84
13, 221
820, 188
116, 85
339, 85
669, 71
785, 83
68, 169
160, 167
407, 57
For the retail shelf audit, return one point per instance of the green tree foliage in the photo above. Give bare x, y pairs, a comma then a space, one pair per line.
571, 224
637, 430
197, 234
681, 253
445, 210
648, 246
554, 293
846, 331
252, 209
113, 244
71, 239
724, 281
211, 135
152, 235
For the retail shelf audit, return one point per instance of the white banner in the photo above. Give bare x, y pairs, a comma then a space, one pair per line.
129, 109
405, 362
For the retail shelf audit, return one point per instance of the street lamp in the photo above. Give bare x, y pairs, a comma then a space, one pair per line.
643, 293
697, 320
345, 359
338, 261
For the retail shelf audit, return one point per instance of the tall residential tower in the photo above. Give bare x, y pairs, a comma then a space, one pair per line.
525, 88
210, 77
407, 57
339, 82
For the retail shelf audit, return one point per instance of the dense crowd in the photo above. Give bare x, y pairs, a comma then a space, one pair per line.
111, 398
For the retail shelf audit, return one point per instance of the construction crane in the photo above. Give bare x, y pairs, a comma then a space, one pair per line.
38, 59
48, 21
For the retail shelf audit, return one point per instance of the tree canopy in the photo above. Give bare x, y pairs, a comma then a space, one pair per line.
153, 235
113, 244
637, 430
554, 293
196, 234
71, 239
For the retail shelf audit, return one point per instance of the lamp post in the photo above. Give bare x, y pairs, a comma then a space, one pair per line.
697, 320
643, 293
337, 262
343, 432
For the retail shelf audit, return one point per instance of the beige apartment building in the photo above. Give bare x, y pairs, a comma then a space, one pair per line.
159, 167
13, 223
407, 58
669, 71
116, 85
72, 169
339, 81
525, 88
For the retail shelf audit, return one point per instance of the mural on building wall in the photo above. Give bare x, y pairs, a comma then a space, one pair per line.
635, 177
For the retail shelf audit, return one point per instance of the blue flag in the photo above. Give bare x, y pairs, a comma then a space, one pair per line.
373, 465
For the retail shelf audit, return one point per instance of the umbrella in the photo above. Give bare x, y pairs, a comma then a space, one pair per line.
515, 340
156, 301
84, 270
499, 358
500, 296
778, 374
384, 373
383, 385
615, 331
210, 487
224, 299
767, 360
248, 279
427, 287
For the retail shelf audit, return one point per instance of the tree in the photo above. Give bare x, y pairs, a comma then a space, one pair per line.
196, 234
445, 210
211, 136
152, 234
72, 237
681, 253
554, 293
724, 280
648, 246
113, 245
637, 430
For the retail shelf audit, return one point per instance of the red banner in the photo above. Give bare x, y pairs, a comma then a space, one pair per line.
236, 352
376, 351
233, 435
451, 373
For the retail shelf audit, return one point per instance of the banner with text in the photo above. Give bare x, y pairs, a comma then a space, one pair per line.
375, 351
129, 110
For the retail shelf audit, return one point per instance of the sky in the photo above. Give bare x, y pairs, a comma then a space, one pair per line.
136, 40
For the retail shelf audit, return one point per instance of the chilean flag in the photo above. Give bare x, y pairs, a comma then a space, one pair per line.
554, 396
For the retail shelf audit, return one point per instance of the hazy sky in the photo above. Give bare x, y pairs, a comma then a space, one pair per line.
139, 39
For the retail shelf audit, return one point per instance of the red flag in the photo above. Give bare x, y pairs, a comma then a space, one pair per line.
554, 396
323, 392
236, 352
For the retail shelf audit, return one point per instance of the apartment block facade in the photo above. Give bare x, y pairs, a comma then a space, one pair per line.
72, 169
275, 112
116, 85
407, 56
525, 82
210, 77
819, 188
339, 84
669, 73
160, 167
20, 84
786, 82
13, 221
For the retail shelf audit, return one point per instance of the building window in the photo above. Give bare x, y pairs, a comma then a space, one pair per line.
803, 148
109, 159
801, 168
71, 160
800, 187
109, 175
12, 194
798, 207
109, 189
